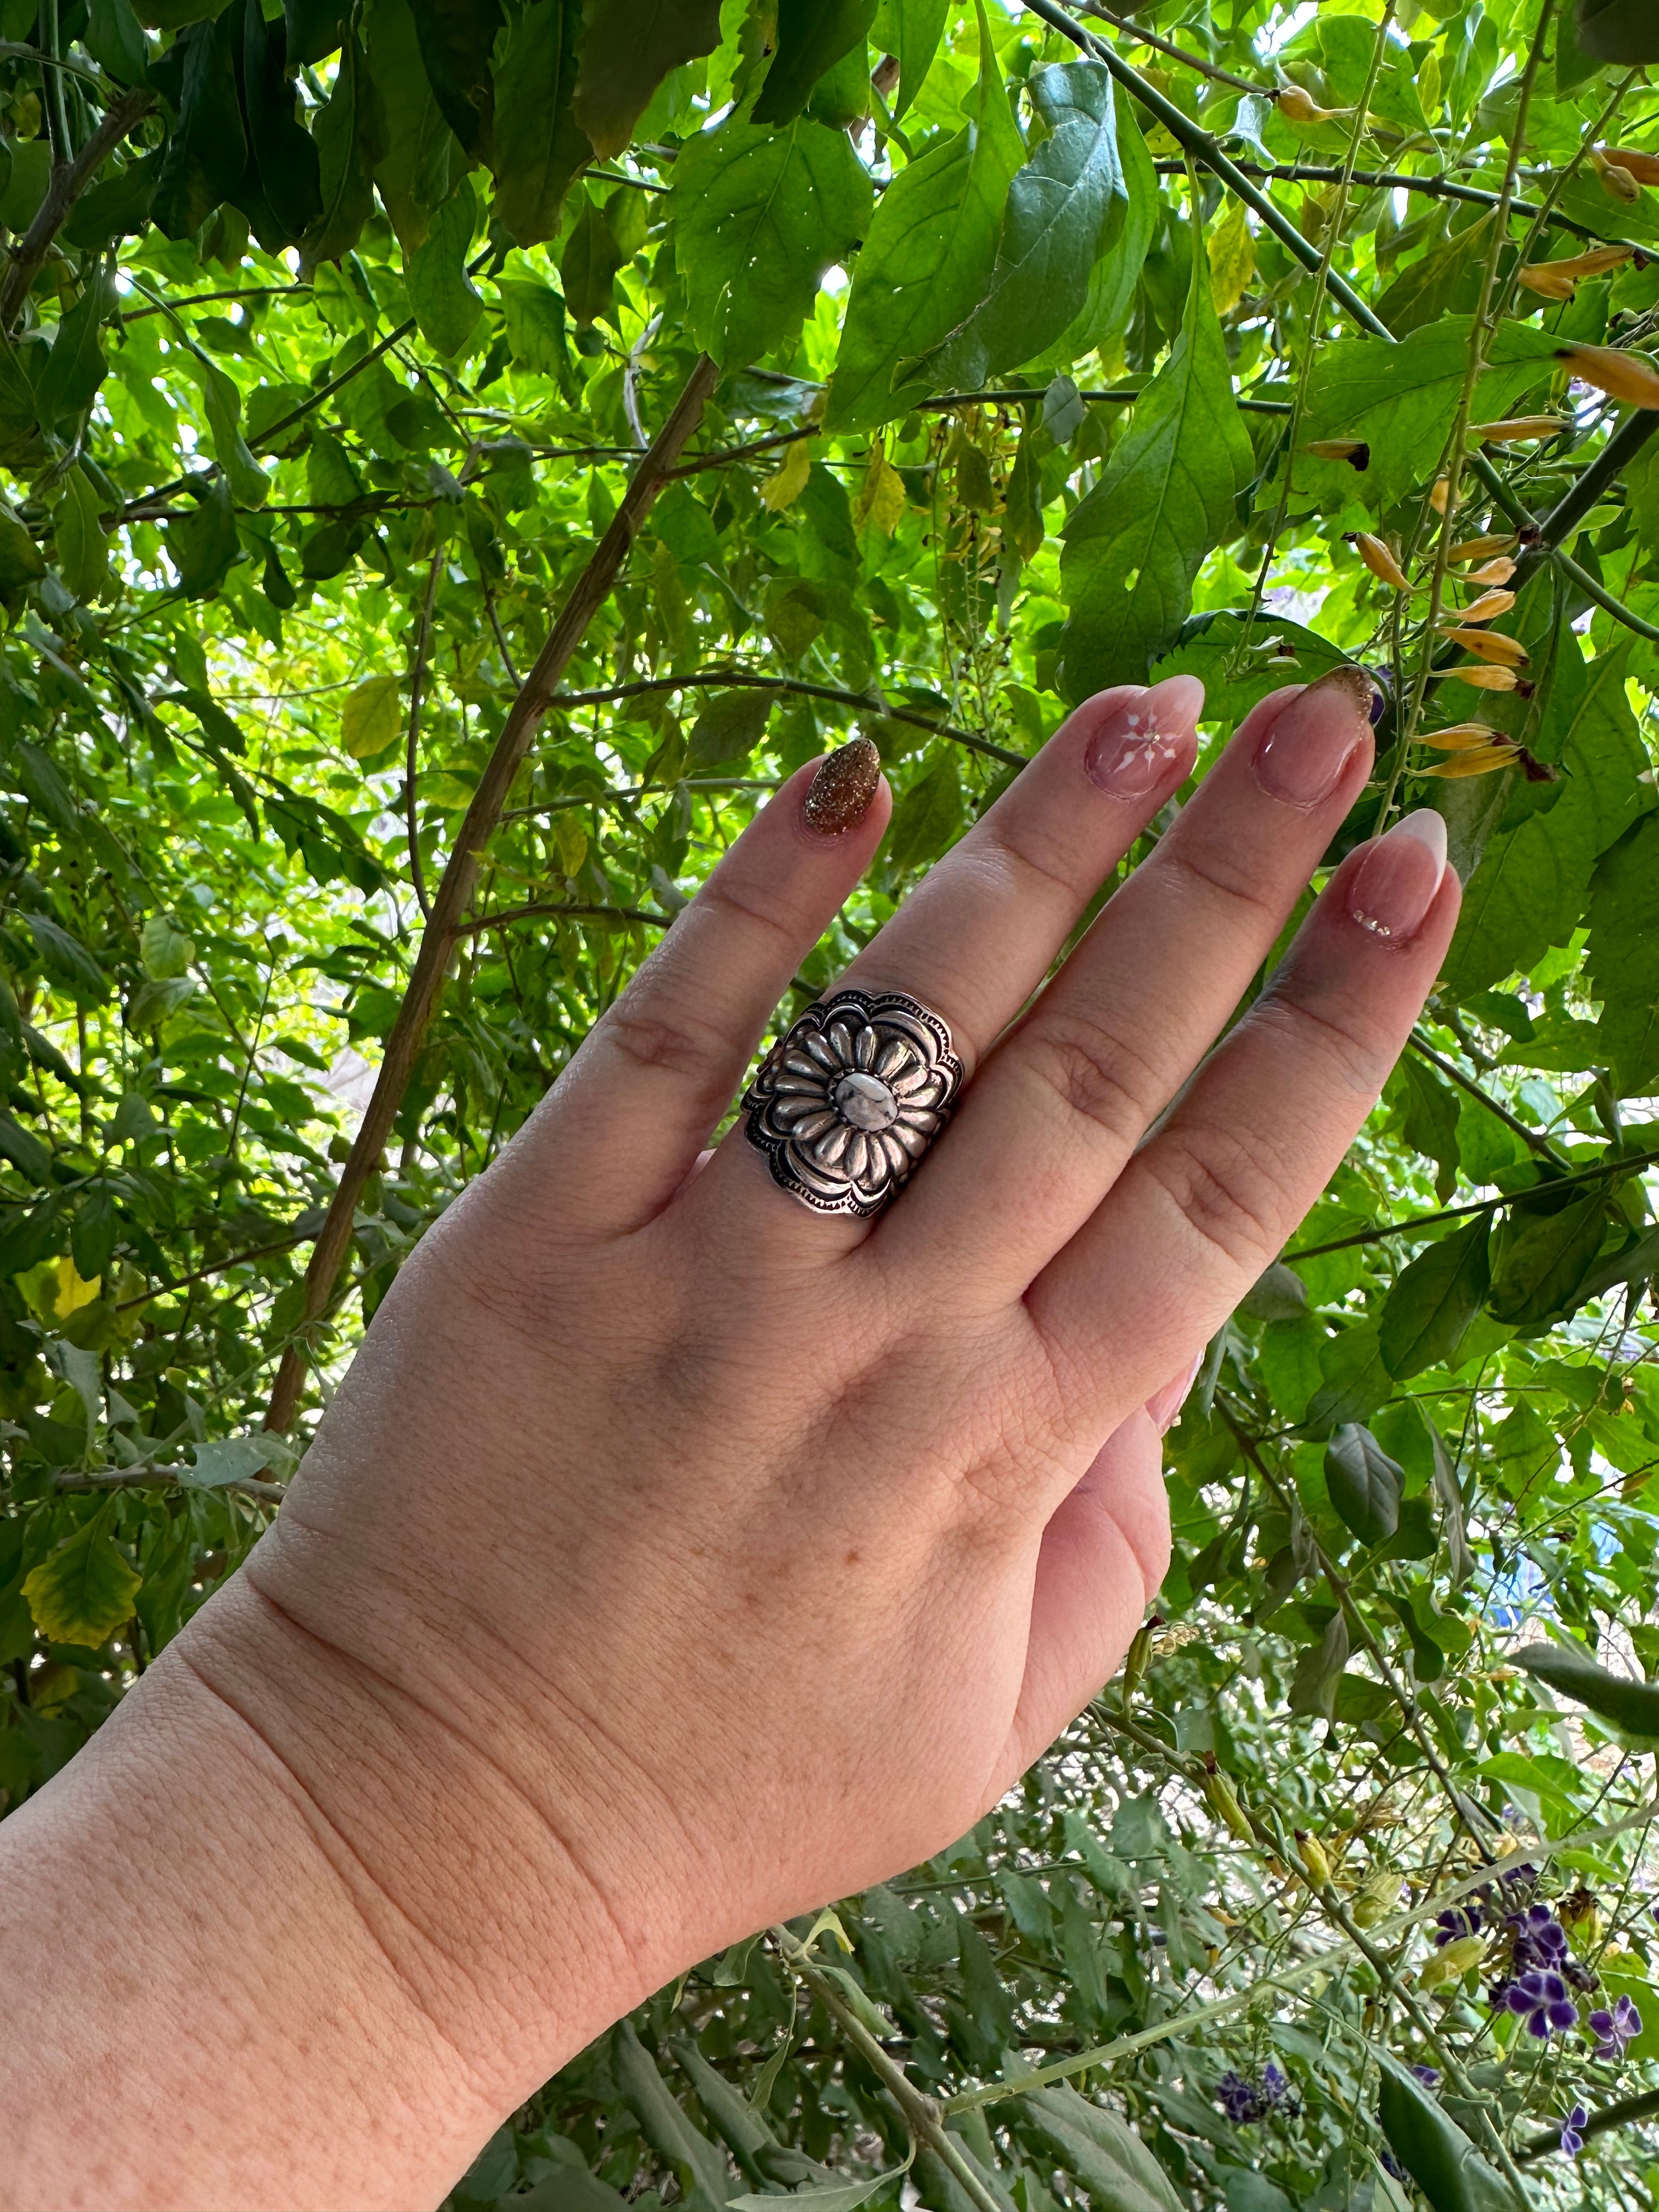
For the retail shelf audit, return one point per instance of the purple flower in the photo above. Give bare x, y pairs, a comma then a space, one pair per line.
1244, 2101
1538, 1939
1572, 2132
1461, 1920
1616, 2030
1427, 2076
1391, 2164
1540, 1999
1275, 2083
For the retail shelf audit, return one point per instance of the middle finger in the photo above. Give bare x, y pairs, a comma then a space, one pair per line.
1071, 1090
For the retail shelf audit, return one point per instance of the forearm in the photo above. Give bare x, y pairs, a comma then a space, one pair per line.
233, 1981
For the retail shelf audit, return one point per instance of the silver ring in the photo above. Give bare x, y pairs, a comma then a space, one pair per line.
847, 1103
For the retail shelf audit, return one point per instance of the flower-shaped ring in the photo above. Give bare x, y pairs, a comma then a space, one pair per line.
847, 1103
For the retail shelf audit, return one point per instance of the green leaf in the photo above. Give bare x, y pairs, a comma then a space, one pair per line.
1057, 210
1539, 1261
83, 1592
420, 155
21, 562
701, 2167
68, 959
229, 1459
119, 204
1401, 399
1134, 544
447, 306
628, 47
1098, 2151
285, 156
727, 729
538, 146
315, 29
457, 39
25, 1152
78, 536
76, 367
202, 543
812, 36
1531, 885
1622, 31
1623, 955
1631, 1706
351, 138
1319, 1672
1427, 1312
1363, 1483
758, 217
250, 486
588, 266
372, 716
165, 949
115, 40
1432, 2147
927, 817
928, 257
207, 153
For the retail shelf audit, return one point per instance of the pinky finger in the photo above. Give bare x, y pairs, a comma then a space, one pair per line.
1205, 1204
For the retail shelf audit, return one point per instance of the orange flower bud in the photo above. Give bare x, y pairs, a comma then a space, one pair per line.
1477, 549
1381, 562
1549, 279
1630, 377
1297, 105
1473, 764
1440, 496
1644, 167
1515, 427
1485, 679
1493, 572
1460, 737
1488, 604
1489, 645
1616, 181
1341, 449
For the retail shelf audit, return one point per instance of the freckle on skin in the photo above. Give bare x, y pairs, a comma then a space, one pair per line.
852, 1559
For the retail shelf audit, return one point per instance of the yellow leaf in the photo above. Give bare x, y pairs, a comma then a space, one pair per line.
371, 718
786, 483
84, 1590
69, 1291
570, 842
880, 501
1232, 259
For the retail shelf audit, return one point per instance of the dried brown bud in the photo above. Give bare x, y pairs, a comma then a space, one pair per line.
1490, 645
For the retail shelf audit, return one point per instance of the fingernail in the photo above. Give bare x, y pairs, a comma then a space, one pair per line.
1302, 759
1163, 1406
1147, 742
1399, 876
838, 798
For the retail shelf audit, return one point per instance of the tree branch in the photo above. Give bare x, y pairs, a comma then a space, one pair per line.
460, 875
69, 180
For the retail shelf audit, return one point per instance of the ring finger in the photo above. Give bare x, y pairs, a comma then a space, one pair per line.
976, 937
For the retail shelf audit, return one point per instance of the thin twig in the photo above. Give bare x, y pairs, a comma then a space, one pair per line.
460, 875
411, 750
69, 178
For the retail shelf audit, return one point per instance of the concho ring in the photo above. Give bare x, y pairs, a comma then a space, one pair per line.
847, 1103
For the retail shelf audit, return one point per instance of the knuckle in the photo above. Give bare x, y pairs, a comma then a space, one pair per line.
1026, 849
1231, 1198
686, 1046
748, 905
1096, 1075
1220, 874
1359, 1061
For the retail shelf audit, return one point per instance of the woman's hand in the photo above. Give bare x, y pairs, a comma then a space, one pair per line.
673, 1557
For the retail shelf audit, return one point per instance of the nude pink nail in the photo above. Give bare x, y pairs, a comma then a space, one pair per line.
1397, 879
1305, 755
1163, 1406
1147, 743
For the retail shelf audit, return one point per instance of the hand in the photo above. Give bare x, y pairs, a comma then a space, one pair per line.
674, 1559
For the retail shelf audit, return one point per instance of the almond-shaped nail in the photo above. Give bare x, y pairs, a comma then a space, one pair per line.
839, 796
1148, 742
1396, 881
1163, 1406
1301, 760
